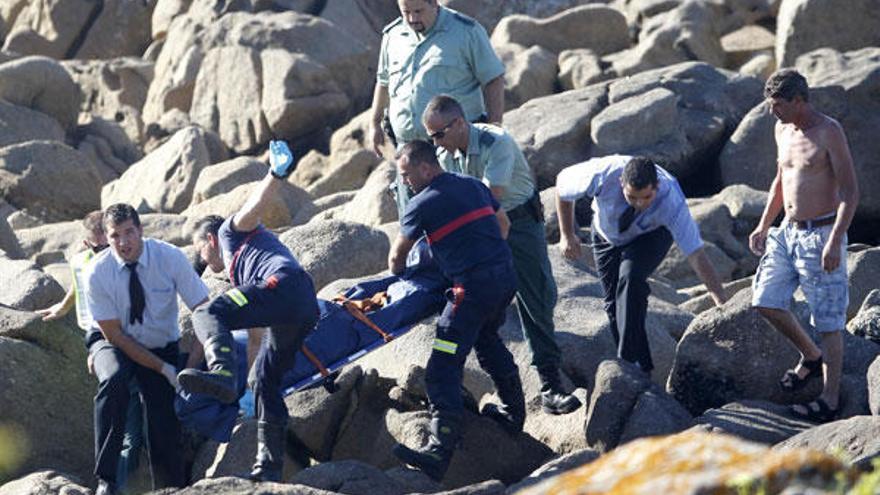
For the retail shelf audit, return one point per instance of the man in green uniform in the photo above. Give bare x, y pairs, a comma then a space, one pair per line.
431, 50
487, 152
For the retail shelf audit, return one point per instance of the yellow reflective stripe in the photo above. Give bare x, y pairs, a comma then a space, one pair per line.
445, 346
237, 297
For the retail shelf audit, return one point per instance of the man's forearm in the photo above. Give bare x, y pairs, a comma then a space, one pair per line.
380, 103
130, 347
248, 217
397, 255
774, 204
493, 96
700, 263
565, 216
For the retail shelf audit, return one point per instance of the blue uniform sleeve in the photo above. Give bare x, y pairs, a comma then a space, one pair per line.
410, 224
484, 62
582, 179
189, 285
681, 224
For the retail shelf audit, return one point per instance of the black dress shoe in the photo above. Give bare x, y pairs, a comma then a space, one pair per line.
105, 488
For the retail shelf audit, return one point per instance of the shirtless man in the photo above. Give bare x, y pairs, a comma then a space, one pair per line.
815, 184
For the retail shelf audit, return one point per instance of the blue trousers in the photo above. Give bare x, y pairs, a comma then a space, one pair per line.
474, 311
290, 310
115, 371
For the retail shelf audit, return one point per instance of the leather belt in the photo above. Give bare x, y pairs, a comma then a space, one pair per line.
812, 224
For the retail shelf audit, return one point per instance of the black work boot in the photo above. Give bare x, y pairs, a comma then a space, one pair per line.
219, 381
554, 400
511, 413
270, 452
433, 459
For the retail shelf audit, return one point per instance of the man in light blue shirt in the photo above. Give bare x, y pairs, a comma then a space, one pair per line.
638, 210
132, 293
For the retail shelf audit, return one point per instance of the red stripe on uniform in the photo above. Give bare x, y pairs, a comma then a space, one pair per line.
459, 222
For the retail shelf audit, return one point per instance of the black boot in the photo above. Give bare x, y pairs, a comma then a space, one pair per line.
554, 400
270, 452
219, 381
511, 413
434, 458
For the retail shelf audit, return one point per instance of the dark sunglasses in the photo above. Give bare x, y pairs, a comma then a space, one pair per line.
442, 132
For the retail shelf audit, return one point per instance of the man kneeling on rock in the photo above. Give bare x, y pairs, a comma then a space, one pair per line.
271, 290
638, 210
466, 228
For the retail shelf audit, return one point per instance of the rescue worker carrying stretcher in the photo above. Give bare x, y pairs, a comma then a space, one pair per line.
271, 290
466, 228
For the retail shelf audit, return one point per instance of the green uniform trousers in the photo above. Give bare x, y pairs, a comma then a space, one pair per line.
536, 290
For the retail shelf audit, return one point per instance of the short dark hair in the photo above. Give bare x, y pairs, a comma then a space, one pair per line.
119, 213
419, 152
640, 172
444, 105
786, 84
209, 224
94, 221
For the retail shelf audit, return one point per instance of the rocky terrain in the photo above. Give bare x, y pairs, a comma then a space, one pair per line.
169, 105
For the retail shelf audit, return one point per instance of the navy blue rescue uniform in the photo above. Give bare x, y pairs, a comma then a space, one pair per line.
457, 213
271, 290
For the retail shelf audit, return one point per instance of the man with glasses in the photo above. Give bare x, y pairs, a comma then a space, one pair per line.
431, 50
488, 153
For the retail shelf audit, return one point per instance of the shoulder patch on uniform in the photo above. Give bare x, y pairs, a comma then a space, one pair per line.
393, 23
470, 21
487, 139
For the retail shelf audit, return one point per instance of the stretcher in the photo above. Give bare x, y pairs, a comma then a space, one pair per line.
361, 320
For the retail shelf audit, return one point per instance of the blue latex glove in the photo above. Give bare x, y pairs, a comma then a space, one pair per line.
280, 159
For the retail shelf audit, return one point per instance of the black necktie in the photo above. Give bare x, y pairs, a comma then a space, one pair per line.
626, 219
135, 295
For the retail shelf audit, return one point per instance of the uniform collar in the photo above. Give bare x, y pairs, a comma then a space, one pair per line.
473, 147
441, 23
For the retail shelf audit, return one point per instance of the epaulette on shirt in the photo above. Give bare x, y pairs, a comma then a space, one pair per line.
392, 24
463, 18
487, 139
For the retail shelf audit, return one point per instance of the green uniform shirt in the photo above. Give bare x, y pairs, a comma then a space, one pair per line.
494, 157
454, 57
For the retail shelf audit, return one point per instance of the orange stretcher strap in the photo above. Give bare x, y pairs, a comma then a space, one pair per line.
360, 316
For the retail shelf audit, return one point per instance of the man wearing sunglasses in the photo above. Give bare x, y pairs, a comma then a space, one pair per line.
431, 50
488, 153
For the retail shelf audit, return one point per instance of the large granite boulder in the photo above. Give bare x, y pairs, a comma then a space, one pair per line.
678, 115
50, 28
41, 84
689, 32
46, 393
732, 353
599, 28
625, 405
554, 131
162, 181
45, 482
490, 12
697, 463
121, 28
32, 289
194, 51
20, 124
226, 176
325, 250
49, 180
529, 73
805, 25
856, 438
115, 90
290, 206
756, 421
